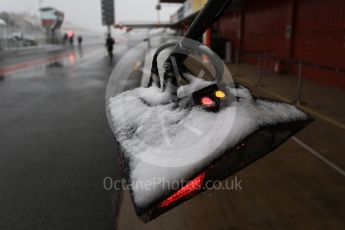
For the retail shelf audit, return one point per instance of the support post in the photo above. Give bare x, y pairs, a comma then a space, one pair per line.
299, 83
259, 72
109, 29
237, 60
228, 48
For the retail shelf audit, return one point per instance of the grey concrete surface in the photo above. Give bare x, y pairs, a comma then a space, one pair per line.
56, 146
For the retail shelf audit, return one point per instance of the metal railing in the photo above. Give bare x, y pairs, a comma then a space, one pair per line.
264, 57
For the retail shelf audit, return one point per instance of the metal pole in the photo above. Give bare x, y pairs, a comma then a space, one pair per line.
228, 52
264, 65
10, 32
158, 8
7, 37
299, 83
259, 72
148, 39
237, 59
47, 34
109, 29
158, 18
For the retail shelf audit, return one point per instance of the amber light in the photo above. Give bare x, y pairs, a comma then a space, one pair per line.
219, 94
206, 101
192, 186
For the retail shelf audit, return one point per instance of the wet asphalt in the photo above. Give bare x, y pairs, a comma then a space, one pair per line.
56, 147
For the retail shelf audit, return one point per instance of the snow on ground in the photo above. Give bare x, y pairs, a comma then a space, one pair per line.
172, 144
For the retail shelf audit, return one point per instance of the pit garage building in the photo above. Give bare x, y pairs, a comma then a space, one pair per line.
281, 34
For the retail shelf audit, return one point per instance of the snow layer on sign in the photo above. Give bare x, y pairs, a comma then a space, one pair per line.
195, 84
165, 143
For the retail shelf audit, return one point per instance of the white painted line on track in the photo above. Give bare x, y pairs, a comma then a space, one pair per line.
319, 156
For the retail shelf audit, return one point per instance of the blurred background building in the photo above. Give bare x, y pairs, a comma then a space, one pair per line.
20, 29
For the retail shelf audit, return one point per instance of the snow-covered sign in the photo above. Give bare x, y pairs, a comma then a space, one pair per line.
175, 138
163, 143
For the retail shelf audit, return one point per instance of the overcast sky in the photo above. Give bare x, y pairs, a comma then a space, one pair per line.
87, 13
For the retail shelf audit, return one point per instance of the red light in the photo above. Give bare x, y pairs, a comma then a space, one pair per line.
206, 101
193, 185
70, 33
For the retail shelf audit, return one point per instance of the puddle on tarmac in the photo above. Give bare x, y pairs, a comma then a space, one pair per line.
66, 58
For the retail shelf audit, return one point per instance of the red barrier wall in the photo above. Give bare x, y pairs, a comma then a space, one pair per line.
317, 29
